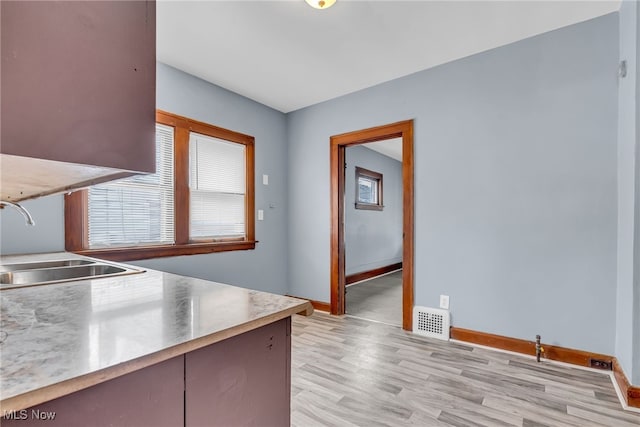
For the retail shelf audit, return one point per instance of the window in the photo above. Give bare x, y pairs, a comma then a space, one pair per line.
137, 210
217, 187
368, 189
200, 200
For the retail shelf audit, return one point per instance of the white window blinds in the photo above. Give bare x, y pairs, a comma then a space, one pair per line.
137, 210
217, 174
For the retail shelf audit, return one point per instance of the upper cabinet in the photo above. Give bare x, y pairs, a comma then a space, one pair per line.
77, 94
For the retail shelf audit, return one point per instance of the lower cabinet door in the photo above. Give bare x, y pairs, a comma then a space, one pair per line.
152, 396
241, 381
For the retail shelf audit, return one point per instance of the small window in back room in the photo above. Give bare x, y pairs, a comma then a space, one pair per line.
368, 189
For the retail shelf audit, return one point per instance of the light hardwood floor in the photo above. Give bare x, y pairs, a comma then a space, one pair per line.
352, 372
377, 299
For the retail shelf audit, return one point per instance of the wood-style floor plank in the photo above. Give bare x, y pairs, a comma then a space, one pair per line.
352, 372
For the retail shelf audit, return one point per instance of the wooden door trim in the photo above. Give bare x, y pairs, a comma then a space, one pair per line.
338, 145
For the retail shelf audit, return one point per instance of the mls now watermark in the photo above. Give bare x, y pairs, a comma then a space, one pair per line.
26, 414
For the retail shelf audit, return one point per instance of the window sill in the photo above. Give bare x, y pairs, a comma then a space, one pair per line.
161, 251
369, 206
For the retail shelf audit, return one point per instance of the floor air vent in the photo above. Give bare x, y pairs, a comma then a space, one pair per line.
431, 322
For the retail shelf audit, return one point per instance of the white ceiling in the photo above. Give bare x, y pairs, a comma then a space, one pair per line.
288, 55
389, 147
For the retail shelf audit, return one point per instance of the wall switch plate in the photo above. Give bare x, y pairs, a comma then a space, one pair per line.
260, 215
265, 179
444, 302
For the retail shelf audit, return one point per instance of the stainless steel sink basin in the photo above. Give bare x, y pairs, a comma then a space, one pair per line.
40, 273
44, 264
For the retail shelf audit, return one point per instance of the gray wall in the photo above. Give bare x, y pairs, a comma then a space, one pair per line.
263, 268
515, 157
628, 207
46, 236
635, 378
373, 238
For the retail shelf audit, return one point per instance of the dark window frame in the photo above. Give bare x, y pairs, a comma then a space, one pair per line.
76, 208
372, 176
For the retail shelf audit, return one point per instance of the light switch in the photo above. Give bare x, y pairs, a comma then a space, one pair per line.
265, 179
260, 215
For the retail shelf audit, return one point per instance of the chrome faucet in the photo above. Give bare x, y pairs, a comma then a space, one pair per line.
25, 213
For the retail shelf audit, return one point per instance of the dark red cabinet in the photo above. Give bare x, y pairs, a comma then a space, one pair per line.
78, 86
242, 381
152, 397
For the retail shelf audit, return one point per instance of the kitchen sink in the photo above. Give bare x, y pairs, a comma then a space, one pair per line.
44, 264
40, 273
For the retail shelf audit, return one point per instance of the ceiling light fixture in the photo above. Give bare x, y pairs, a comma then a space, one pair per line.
320, 4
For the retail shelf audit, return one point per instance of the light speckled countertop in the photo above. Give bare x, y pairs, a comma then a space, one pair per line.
60, 338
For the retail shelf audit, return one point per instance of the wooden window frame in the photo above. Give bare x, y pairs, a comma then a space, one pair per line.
362, 172
76, 208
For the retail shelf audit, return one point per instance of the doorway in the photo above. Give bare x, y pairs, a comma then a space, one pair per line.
373, 231
338, 144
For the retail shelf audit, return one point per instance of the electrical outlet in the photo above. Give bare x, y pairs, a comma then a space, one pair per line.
444, 302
